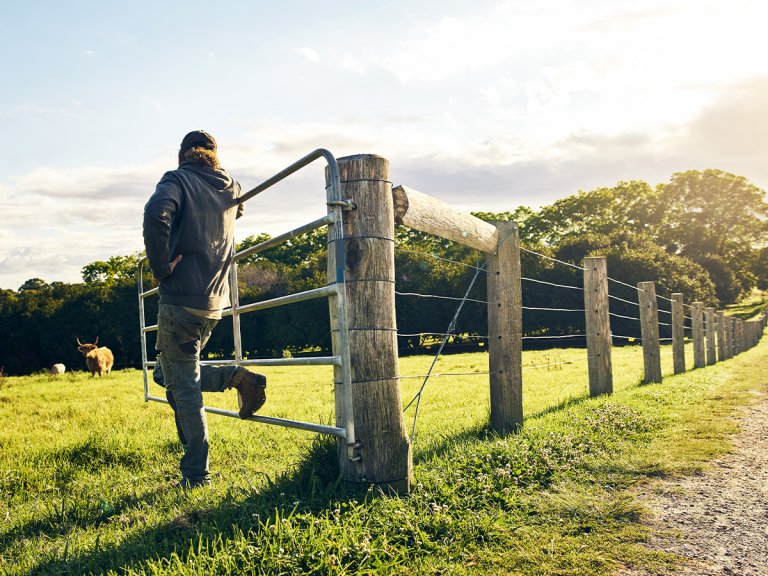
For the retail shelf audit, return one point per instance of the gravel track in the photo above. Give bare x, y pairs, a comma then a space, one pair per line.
718, 520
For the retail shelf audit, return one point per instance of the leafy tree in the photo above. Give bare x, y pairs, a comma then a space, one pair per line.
33, 285
632, 206
718, 219
115, 270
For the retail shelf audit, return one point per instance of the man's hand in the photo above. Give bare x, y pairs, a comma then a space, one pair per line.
175, 261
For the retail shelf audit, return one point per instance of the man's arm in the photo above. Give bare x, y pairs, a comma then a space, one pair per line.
159, 212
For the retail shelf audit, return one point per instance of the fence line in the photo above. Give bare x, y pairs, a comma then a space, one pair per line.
376, 447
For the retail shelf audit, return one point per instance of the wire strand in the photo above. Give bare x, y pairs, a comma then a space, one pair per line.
551, 283
625, 284
622, 300
438, 297
451, 328
621, 316
552, 259
437, 257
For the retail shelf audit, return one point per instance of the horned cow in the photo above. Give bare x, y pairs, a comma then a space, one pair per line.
96, 359
58, 369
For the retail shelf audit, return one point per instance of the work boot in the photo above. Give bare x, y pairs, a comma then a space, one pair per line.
250, 392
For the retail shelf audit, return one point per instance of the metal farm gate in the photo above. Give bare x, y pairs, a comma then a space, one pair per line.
335, 290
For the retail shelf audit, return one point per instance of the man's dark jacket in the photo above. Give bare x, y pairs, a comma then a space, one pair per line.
192, 213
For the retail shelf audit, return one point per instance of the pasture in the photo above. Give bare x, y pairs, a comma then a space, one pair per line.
87, 471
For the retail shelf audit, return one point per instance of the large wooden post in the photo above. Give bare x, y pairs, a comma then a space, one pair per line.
697, 321
649, 329
384, 448
729, 337
598, 325
709, 334
721, 354
678, 333
739, 336
505, 331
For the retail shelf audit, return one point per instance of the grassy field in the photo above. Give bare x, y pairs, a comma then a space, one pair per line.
756, 303
87, 471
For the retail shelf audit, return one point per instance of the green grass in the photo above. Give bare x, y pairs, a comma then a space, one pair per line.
87, 471
750, 307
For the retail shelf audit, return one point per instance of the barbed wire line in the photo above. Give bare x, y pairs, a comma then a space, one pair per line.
438, 375
551, 283
635, 288
665, 311
554, 309
448, 332
439, 297
665, 298
622, 316
471, 336
627, 337
552, 259
554, 337
611, 296
437, 257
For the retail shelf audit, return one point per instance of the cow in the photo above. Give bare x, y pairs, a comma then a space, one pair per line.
58, 369
96, 359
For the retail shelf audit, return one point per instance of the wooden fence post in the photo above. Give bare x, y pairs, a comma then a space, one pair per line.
385, 450
740, 336
721, 354
730, 336
598, 325
649, 329
505, 331
697, 320
709, 334
678, 333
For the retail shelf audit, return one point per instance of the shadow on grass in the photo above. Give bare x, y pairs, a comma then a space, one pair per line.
483, 432
560, 406
312, 487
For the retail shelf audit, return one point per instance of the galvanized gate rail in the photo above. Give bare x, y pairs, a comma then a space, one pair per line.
341, 358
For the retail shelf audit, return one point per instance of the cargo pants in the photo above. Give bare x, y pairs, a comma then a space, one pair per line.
181, 335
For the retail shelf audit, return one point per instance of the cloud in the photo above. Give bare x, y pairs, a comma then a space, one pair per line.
730, 134
56, 221
308, 53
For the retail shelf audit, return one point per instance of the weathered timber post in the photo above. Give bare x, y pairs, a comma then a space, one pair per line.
697, 320
721, 336
729, 337
678, 333
598, 326
709, 334
649, 330
740, 336
384, 451
505, 331
502, 245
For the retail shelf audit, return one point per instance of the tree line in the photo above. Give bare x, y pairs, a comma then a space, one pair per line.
703, 234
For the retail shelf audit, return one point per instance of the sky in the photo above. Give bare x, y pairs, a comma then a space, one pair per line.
486, 105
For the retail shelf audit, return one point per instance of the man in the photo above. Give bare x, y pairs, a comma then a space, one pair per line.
189, 237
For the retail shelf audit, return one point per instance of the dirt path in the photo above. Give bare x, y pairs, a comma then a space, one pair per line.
719, 520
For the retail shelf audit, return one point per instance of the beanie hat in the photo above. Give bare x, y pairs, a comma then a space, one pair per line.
198, 139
